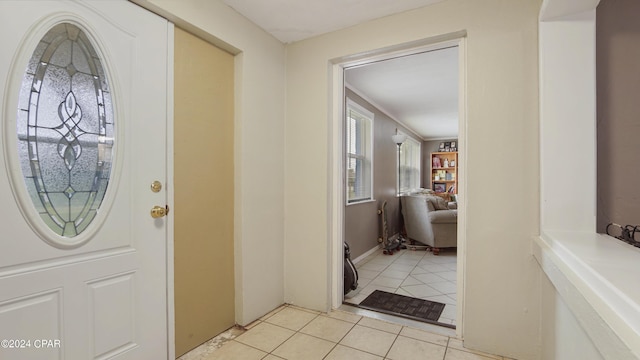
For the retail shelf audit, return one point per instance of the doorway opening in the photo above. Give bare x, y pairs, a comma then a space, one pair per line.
390, 180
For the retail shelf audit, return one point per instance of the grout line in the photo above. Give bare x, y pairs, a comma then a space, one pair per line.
393, 343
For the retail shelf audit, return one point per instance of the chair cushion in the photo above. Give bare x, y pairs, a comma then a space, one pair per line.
429, 203
437, 203
443, 216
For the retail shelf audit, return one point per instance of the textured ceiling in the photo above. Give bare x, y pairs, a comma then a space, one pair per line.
293, 20
420, 91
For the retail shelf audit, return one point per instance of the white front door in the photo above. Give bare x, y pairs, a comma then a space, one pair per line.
83, 131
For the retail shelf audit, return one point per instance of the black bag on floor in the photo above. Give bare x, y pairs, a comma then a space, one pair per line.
350, 272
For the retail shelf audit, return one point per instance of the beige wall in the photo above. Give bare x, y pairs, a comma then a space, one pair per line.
618, 79
501, 304
259, 146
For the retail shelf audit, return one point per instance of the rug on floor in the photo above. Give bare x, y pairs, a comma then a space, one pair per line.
400, 305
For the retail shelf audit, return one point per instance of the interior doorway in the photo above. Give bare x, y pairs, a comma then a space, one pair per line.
203, 191
339, 226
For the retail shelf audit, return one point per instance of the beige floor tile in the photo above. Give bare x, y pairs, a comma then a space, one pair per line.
366, 291
204, 350
407, 261
406, 348
265, 336
453, 354
428, 278
249, 326
451, 266
418, 270
271, 357
449, 312
327, 328
414, 254
236, 350
374, 341
273, 312
301, 346
401, 291
410, 280
432, 268
424, 336
458, 345
380, 325
401, 267
449, 275
367, 274
445, 299
305, 309
356, 299
445, 287
421, 291
442, 260
395, 274
383, 259
345, 316
374, 266
292, 318
346, 353
386, 282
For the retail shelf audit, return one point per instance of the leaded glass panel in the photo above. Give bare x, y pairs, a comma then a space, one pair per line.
65, 130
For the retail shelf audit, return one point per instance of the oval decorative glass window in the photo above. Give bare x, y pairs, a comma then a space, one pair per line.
65, 130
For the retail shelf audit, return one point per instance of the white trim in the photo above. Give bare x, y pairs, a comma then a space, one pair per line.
171, 319
335, 181
381, 109
368, 148
361, 202
462, 184
365, 255
605, 305
335, 184
419, 164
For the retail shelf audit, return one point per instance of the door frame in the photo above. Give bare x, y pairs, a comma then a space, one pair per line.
171, 319
336, 156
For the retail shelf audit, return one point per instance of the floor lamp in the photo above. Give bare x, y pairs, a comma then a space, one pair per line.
398, 139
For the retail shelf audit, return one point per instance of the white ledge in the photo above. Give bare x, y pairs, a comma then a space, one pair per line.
599, 278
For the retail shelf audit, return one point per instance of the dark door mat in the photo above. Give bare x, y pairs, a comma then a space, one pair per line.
404, 306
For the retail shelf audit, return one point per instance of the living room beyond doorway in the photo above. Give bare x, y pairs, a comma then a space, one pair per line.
420, 275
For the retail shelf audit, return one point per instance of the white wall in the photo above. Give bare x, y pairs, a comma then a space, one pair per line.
568, 123
502, 297
259, 146
562, 331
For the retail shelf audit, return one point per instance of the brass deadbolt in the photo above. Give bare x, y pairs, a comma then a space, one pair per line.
156, 186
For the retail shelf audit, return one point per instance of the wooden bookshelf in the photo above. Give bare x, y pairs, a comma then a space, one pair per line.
444, 179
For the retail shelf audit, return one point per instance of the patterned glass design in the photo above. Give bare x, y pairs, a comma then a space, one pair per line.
65, 130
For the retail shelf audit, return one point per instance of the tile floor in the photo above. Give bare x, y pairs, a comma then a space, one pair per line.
418, 274
294, 333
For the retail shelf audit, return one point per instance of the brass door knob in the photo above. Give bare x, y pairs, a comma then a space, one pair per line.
158, 212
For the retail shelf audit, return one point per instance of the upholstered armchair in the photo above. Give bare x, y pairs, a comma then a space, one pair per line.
428, 220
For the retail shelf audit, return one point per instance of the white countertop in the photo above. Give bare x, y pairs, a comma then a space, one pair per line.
605, 271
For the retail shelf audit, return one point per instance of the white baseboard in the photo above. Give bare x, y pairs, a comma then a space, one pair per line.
364, 256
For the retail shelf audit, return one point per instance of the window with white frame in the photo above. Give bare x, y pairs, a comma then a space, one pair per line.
359, 144
410, 154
